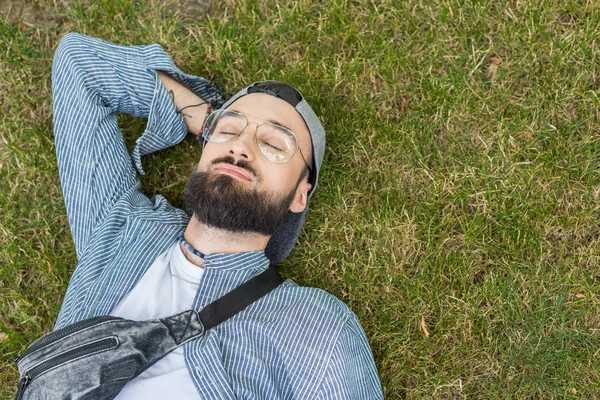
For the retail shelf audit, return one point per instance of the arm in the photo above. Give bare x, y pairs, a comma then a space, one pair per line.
351, 373
193, 106
92, 81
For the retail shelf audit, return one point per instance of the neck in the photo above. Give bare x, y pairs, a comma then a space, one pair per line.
209, 240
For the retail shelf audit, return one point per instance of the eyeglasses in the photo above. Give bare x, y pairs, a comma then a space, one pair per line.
276, 143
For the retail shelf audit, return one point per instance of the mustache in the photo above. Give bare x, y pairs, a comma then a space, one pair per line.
240, 163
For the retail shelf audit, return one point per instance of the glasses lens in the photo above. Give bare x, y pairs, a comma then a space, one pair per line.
224, 125
278, 144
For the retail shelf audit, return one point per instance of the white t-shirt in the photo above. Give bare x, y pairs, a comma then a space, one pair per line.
167, 288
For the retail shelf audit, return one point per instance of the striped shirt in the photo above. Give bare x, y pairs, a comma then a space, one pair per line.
295, 343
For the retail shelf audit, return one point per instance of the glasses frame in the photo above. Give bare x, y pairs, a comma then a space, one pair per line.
208, 122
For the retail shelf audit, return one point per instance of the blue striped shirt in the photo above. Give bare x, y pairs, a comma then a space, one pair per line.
295, 343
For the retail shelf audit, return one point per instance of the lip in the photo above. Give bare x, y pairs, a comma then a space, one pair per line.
234, 171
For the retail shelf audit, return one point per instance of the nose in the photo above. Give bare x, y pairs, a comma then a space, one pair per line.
243, 145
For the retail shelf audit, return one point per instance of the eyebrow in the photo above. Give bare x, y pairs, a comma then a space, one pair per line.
273, 121
278, 123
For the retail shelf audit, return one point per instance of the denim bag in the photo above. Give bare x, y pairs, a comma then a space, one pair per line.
96, 357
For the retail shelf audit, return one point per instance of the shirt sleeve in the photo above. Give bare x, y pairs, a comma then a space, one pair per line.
351, 373
92, 81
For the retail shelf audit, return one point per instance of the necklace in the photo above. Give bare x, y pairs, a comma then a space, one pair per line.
189, 247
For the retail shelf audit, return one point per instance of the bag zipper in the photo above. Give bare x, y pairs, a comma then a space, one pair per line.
22, 385
59, 334
65, 357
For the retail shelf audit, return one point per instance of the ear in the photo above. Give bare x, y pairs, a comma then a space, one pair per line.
300, 197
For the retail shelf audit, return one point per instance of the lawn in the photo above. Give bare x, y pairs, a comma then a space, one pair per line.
458, 212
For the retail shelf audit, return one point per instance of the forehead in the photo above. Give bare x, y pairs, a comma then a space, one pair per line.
271, 108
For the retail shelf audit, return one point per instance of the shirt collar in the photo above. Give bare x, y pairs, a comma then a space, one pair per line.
248, 260
224, 272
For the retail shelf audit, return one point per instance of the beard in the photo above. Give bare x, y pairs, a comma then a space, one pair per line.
220, 201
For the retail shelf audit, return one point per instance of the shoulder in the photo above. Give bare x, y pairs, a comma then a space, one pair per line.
305, 311
312, 299
297, 323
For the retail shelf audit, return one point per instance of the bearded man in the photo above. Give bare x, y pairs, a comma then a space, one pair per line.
142, 259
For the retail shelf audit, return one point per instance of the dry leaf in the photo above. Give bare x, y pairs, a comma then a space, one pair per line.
49, 265
493, 68
580, 296
3, 337
423, 326
24, 27
495, 60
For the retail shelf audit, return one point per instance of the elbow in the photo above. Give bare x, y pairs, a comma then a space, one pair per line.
70, 47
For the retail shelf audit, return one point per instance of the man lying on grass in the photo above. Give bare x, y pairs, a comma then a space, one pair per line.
143, 259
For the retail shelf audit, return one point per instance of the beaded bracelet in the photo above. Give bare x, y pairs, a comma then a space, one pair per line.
199, 135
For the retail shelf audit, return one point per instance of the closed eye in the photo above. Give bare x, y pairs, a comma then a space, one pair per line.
274, 147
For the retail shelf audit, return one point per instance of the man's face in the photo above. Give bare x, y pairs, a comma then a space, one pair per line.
235, 187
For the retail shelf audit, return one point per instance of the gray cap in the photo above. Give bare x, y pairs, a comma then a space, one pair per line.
283, 240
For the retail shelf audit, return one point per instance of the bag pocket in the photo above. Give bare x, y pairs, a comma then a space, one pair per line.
63, 358
59, 334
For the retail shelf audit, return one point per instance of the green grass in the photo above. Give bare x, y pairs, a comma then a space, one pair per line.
448, 192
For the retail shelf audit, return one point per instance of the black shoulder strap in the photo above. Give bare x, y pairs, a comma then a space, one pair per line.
239, 298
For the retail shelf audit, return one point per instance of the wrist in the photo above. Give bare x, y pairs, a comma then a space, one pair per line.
192, 107
194, 116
